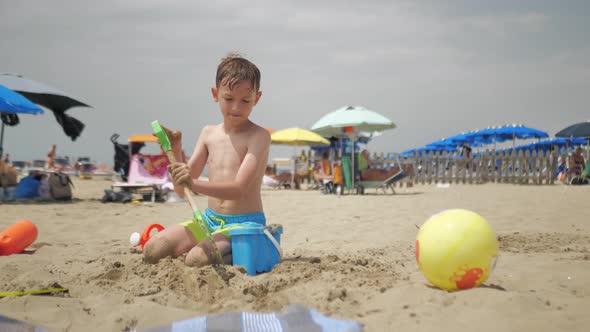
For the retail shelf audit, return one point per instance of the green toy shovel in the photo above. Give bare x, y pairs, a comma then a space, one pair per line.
198, 218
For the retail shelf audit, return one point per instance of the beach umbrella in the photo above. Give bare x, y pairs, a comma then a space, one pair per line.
357, 117
520, 132
142, 138
508, 132
581, 129
427, 148
56, 101
555, 142
461, 139
559, 142
297, 137
484, 137
443, 144
440, 147
578, 141
11, 104
349, 121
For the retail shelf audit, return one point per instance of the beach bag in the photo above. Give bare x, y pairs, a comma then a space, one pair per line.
116, 196
60, 186
579, 181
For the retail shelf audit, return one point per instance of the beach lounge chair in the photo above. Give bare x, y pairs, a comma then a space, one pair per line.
271, 182
361, 185
140, 180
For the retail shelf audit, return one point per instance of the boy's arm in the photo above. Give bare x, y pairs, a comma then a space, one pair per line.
198, 159
257, 154
196, 163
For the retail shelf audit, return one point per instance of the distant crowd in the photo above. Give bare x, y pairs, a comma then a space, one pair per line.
35, 185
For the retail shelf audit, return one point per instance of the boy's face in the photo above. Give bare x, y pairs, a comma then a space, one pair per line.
236, 104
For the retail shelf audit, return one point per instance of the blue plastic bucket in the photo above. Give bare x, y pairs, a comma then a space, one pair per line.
253, 250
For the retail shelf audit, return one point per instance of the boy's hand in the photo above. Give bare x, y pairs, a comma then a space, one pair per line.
175, 138
180, 174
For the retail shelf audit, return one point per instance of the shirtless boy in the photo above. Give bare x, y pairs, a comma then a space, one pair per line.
236, 153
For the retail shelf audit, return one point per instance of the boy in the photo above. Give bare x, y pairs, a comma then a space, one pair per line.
236, 152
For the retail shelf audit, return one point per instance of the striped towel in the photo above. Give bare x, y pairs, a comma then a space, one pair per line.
13, 325
296, 318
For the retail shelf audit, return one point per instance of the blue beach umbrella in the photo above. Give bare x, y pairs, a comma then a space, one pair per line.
12, 103
578, 141
486, 136
559, 142
508, 132
428, 148
440, 147
461, 139
520, 132
445, 145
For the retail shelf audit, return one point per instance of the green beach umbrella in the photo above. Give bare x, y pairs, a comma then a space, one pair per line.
356, 117
350, 121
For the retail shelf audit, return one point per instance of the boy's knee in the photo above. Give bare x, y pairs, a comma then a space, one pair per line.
197, 257
156, 249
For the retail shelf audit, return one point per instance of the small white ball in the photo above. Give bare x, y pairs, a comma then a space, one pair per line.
134, 239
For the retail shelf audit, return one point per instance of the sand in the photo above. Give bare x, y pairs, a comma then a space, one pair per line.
350, 257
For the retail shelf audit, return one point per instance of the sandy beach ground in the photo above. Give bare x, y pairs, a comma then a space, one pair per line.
350, 257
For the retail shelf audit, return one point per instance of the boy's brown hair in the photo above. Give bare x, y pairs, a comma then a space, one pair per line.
234, 69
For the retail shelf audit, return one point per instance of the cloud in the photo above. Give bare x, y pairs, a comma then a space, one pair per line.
504, 25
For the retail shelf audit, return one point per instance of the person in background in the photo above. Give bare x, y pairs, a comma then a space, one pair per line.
270, 179
322, 170
577, 162
466, 151
50, 160
8, 180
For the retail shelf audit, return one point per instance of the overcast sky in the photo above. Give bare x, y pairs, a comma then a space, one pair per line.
436, 68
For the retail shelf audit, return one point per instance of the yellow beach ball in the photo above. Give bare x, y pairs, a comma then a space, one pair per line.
456, 249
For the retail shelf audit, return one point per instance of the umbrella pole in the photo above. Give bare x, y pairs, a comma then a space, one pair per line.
2, 140
130, 149
494, 142
294, 165
351, 137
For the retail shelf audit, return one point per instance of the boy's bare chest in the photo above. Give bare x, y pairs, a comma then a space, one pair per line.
226, 152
